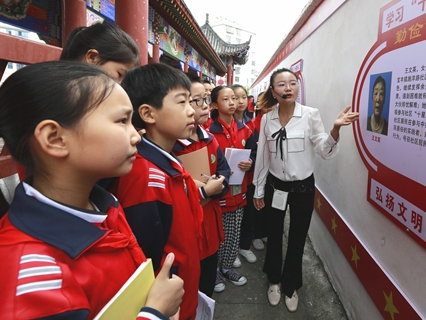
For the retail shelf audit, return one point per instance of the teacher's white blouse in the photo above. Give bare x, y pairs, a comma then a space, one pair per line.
305, 136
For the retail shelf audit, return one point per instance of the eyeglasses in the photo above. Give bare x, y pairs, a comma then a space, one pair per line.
285, 85
200, 102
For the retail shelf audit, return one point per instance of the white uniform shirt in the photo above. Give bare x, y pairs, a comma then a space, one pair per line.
305, 136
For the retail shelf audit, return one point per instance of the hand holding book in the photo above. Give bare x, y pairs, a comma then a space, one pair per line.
163, 294
166, 293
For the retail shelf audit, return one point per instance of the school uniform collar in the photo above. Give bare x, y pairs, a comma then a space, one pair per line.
216, 127
297, 111
67, 228
202, 134
240, 124
155, 154
246, 118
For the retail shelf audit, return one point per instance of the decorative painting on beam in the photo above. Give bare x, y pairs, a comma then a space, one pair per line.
105, 7
40, 16
193, 58
170, 40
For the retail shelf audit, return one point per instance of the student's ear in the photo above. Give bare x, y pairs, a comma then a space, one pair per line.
92, 57
147, 113
50, 136
213, 105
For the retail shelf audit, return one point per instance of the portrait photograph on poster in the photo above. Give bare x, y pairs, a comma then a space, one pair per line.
378, 109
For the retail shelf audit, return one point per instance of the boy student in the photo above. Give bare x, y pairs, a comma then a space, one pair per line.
210, 191
159, 197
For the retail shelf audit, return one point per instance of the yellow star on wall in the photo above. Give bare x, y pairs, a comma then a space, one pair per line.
319, 204
355, 256
390, 307
333, 225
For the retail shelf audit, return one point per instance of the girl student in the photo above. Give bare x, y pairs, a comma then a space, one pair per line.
290, 135
69, 248
260, 235
241, 106
247, 225
231, 133
104, 46
212, 190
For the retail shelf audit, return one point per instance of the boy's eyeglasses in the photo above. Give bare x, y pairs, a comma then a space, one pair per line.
199, 102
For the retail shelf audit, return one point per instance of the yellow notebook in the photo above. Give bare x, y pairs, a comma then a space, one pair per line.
130, 299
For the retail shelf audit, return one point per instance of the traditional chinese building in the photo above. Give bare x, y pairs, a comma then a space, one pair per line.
231, 54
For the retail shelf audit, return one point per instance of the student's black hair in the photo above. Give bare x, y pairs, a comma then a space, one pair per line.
112, 43
214, 96
267, 100
149, 84
193, 78
206, 81
238, 86
62, 91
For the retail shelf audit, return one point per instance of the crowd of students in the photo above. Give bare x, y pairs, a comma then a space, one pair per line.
97, 198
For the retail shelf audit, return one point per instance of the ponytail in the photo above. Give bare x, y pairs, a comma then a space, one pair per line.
214, 114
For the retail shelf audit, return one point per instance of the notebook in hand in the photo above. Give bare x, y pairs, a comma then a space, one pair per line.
130, 299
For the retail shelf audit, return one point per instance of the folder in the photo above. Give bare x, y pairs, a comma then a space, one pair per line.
235, 156
197, 163
129, 300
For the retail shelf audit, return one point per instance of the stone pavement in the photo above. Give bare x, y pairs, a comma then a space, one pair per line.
317, 298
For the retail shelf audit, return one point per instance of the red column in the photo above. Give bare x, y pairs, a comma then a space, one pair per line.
73, 16
156, 53
229, 75
132, 17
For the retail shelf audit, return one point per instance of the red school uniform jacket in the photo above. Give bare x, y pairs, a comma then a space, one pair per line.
241, 137
162, 206
212, 226
252, 126
256, 122
61, 265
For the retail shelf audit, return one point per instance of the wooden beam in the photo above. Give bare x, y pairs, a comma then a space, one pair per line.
21, 50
